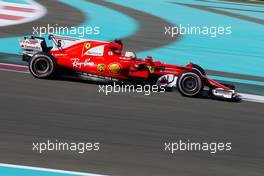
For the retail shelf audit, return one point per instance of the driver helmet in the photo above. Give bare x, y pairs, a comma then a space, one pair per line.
130, 54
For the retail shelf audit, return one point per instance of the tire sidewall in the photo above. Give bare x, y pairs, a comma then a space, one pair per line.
49, 59
195, 74
199, 69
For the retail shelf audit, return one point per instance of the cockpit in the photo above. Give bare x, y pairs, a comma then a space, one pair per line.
131, 54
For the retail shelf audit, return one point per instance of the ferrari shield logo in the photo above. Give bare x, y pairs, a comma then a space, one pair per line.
87, 45
151, 69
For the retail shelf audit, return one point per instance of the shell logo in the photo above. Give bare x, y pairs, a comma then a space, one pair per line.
114, 68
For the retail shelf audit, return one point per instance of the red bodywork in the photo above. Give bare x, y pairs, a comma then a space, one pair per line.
106, 59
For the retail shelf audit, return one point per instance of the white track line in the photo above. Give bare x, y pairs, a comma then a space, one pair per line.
15, 65
16, 71
47, 170
252, 98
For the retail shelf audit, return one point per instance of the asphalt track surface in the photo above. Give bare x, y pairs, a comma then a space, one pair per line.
131, 128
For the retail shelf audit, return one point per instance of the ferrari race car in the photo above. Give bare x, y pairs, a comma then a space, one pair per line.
100, 60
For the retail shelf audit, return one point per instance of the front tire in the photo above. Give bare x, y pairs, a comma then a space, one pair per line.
190, 83
42, 66
199, 69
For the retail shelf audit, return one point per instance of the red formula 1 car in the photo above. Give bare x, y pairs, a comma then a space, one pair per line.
101, 60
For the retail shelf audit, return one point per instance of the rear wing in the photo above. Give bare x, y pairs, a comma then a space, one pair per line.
32, 45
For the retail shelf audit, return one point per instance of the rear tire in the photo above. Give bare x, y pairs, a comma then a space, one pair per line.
42, 66
190, 83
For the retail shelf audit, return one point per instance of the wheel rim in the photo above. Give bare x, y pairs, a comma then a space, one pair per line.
190, 84
41, 66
